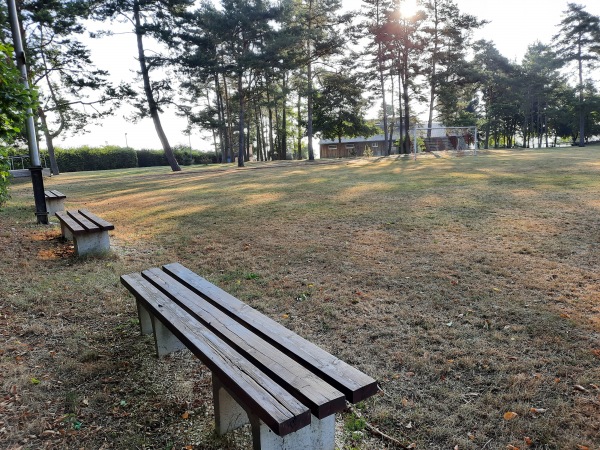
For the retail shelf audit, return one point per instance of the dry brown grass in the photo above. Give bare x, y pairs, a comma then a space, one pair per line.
468, 287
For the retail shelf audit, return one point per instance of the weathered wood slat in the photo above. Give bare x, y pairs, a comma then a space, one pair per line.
355, 385
71, 224
53, 193
269, 401
83, 221
318, 395
105, 225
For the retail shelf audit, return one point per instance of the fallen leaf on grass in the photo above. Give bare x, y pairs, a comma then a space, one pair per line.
510, 415
580, 388
512, 447
583, 447
185, 415
535, 412
528, 441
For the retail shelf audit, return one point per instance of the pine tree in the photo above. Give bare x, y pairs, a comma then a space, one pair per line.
578, 41
153, 18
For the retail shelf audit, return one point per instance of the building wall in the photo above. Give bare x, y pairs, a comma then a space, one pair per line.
350, 150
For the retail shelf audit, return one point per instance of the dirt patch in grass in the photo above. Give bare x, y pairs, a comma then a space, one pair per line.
468, 287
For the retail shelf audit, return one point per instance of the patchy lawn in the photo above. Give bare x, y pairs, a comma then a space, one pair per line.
469, 287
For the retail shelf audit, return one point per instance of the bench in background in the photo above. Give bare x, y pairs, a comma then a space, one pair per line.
286, 387
88, 231
55, 201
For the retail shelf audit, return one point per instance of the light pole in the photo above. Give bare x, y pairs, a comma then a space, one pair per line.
126, 144
37, 178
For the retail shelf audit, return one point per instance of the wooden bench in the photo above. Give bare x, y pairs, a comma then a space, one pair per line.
287, 388
88, 231
55, 201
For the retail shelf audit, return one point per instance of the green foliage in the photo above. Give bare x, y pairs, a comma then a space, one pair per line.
112, 157
340, 109
101, 158
354, 423
14, 98
153, 158
3, 176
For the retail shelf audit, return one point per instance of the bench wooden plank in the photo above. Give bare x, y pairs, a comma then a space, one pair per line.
71, 224
355, 385
103, 224
318, 395
83, 221
52, 193
270, 402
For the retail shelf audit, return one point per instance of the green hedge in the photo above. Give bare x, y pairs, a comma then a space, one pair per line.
90, 158
113, 157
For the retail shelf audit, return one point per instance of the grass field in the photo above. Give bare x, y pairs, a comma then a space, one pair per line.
469, 287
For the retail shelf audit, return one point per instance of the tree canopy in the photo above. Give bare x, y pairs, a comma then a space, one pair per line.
265, 76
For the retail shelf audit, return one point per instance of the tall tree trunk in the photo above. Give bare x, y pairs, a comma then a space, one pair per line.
581, 111
432, 75
390, 143
283, 144
241, 121
229, 156
299, 126
309, 115
401, 118
222, 123
270, 107
406, 117
49, 142
148, 90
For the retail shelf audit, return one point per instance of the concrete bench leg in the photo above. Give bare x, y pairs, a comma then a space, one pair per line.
66, 233
91, 242
144, 318
229, 415
55, 204
166, 342
320, 434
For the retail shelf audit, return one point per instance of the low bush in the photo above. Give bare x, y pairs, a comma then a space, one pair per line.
95, 158
113, 157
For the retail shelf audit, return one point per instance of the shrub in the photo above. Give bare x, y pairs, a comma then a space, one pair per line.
151, 158
100, 158
3, 176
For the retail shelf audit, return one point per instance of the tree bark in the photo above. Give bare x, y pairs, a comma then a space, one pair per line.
284, 120
309, 115
49, 142
581, 111
432, 92
148, 90
241, 121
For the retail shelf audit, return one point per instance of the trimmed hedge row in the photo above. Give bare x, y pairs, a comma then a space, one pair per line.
113, 157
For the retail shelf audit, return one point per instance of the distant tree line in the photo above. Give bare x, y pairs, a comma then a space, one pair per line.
265, 77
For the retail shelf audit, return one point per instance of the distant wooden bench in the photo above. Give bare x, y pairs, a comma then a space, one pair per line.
55, 201
88, 231
287, 388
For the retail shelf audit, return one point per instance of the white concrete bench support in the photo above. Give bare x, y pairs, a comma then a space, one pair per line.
88, 231
166, 342
92, 242
230, 415
284, 386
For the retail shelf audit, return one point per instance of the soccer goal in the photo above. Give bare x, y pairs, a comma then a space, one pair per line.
459, 140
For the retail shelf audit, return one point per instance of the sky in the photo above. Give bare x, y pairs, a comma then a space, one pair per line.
514, 25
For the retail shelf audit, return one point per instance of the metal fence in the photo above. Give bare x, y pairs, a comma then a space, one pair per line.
23, 162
